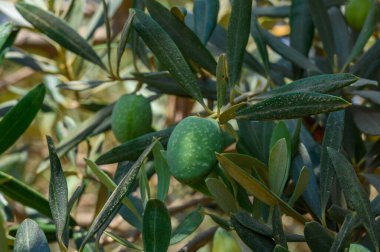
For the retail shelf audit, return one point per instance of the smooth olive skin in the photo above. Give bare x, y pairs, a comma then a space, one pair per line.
191, 149
131, 117
356, 13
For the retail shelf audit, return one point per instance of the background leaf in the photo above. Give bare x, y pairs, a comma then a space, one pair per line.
191, 222
237, 38
317, 237
59, 31
205, 18
18, 119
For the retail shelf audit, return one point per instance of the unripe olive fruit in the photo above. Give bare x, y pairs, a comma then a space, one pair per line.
131, 117
191, 149
356, 13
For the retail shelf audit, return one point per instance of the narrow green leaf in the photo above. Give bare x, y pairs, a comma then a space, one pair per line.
325, 83
322, 22
186, 40
162, 170
20, 192
221, 81
18, 119
342, 240
123, 242
230, 113
205, 18
58, 194
59, 31
253, 240
167, 53
353, 192
249, 222
237, 38
221, 195
144, 186
317, 237
30, 237
302, 183
278, 166
364, 35
248, 163
256, 188
288, 52
333, 138
132, 149
3, 234
301, 28
110, 185
108, 35
123, 40
156, 227
280, 248
278, 228
261, 46
368, 57
191, 222
292, 105
224, 241
114, 201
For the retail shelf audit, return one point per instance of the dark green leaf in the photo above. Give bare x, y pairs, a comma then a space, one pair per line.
325, 83
191, 222
58, 194
365, 33
370, 56
162, 170
205, 18
24, 194
254, 138
288, 52
30, 237
279, 248
123, 40
5, 35
322, 22
156, 227
278, 229
341, 36
186, 40
252, 239
18, 119
237, 38
261, 46
292, 105
59, 31
132, 149
342, 240
167, 53
353, 192
272, 11
333, 138
114, 201
123, 242
317, 237
301, 26
249, 222
221, 195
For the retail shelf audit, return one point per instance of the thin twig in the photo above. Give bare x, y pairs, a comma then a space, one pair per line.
194, 202
199, 241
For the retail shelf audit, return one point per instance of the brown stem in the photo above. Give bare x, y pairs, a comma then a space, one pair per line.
199, 241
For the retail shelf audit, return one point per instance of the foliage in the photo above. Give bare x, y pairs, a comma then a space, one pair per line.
292, 104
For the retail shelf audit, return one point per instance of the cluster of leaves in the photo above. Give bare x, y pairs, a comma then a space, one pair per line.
278, 166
